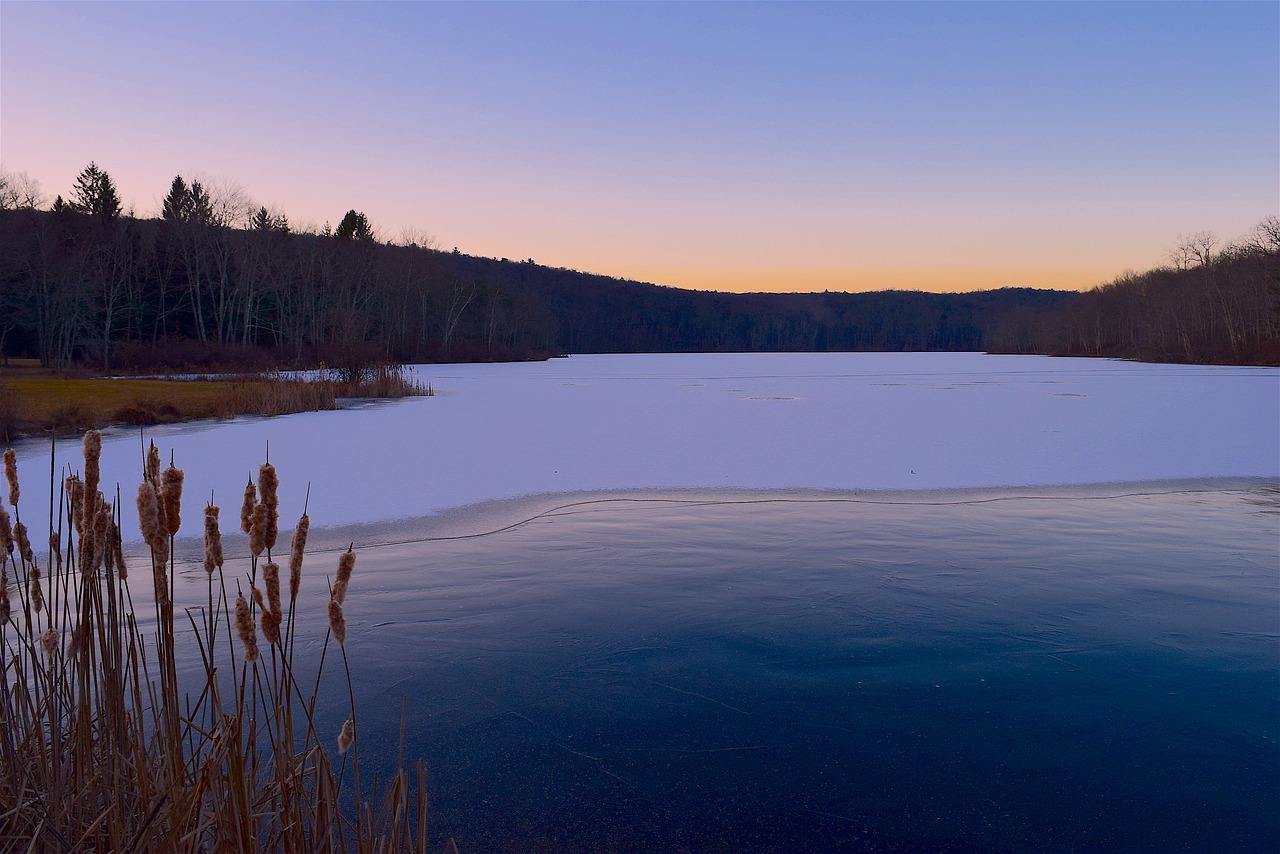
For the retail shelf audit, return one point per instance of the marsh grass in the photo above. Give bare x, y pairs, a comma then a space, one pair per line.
115, 736
34, 402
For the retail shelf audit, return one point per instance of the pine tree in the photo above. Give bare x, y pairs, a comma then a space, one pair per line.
95, 194
177, 205
201, 206
354, 228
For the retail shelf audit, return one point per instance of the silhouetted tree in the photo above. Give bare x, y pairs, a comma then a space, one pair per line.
177, 205
354, 228
95, 194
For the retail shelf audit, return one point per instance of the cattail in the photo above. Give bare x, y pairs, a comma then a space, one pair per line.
268, 489
271, 577
337, 622
171, 497
11, 474
212, 540
257, 598
101, 527
92, 458
55, 546
23, 543
4, 599
297, 546
246, 509
271, 626
347, 737
258, 530
152, 465
49, 641
36, 592
152, 528
244, 628
346, 563
6, 535
75, 499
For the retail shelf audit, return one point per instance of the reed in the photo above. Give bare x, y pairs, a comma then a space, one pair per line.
108, 742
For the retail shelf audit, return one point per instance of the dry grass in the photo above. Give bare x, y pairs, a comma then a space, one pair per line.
34, 401
110, 742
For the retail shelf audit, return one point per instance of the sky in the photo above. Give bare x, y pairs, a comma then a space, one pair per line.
726, 146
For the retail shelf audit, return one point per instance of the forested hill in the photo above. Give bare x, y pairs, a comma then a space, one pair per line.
597, 314
114, 292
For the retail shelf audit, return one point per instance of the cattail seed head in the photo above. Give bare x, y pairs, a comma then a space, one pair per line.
117, 551
36, 592
244, 628
268, 485
297, 547
152, 465
246, 509
23, 542
257, 598
92, 458
258, 530
11, 474
4, 600
346, 563
212, 540
347, 737
271, 627
149, 512
55, 546
6, 535
271, 577
49, 641
101, 526
75, 499
171, 497
337, 623
268, 489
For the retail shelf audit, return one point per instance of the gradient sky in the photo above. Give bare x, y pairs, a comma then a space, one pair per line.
730, 146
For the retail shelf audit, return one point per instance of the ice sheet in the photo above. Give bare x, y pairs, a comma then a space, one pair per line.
747, 421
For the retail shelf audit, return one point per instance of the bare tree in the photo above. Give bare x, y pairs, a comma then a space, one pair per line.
1193, 249
19, 190
411, 235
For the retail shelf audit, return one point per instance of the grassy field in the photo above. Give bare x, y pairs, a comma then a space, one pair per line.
36, 401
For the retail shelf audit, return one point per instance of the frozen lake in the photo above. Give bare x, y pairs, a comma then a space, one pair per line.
795, 602
851, 421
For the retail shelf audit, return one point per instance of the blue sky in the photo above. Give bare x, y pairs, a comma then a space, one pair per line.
734, 146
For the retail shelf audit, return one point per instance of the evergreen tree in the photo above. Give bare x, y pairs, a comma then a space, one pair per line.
177, 205
354, 228
95, 194
201, 206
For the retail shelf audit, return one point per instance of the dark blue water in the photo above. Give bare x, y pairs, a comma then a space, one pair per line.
1062, 674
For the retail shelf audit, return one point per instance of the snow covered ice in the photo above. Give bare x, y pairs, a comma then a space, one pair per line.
863, 421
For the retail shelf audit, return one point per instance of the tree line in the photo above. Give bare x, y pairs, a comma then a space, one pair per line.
215, 281
1213, 302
